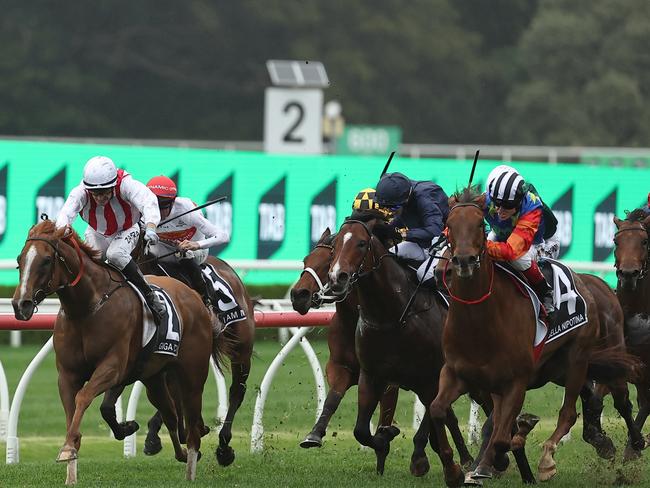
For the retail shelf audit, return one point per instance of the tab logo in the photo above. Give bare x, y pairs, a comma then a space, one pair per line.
272, 218
51, 197
322, 213
220, 214
563, 211
604, 227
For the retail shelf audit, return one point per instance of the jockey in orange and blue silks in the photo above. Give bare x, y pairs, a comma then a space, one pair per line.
518, 229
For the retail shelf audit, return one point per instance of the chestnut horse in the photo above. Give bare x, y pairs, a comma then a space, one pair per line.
633, 291
342, 365
488, 342
407, 354
98, 337
238, 339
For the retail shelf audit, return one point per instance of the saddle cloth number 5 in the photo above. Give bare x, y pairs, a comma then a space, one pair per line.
223, 292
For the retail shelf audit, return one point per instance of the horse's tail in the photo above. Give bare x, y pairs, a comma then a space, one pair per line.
613, 364
221, 344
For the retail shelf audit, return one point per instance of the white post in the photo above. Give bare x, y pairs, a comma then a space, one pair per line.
473, 425
222, 395
129, 442
13, 445
316, 369
419, 411
4, 404
257, 430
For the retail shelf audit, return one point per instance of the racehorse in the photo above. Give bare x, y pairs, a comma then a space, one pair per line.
342, 365
98, 337
633, 291
407, 354
488, 341
239, 337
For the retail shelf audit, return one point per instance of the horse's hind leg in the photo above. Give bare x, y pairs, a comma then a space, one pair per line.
160, 398
419, 462
152, 444
107, 409
192, 393
240, 371
451, 422
592, 431
636, 442
369, 393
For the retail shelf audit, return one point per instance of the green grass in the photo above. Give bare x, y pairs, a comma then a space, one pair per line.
289, 414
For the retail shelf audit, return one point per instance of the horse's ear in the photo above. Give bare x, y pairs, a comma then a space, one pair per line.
480, 200
67, 231
618, 222
452, 201
326, 233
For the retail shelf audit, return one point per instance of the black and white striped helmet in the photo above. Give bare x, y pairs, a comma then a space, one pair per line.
505, 187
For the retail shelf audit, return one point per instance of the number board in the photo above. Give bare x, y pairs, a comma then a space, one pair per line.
293, 119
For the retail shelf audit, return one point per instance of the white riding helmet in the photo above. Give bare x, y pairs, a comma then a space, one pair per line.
100, 172
505, 185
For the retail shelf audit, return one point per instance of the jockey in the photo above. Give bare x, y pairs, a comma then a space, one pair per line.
112, 202
192, 234
522, 229
420, 210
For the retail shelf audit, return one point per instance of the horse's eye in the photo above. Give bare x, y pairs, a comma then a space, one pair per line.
47, 260
645, 243
615, 242
363, 243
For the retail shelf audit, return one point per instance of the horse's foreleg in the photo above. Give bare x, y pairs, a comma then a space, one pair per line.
192, 392
457, 436
450, 388
240, 371
643, 400
592, 431
105, 376
107, 409
575, 380
623, 405
419, 462
370, 391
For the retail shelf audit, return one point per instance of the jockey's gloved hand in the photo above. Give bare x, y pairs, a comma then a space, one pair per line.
150, 235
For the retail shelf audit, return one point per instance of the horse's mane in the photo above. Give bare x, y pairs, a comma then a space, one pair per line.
48, 227
467, 195
636, 215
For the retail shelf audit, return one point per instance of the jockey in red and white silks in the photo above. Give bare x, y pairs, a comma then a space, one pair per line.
112, 202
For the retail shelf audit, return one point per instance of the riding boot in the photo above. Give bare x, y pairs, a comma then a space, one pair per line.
193, 270
543, 291
134, 275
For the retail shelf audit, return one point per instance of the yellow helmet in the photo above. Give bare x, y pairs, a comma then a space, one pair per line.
365, 200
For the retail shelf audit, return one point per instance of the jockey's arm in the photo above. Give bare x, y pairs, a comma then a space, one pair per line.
143, 199
213, 235
520, 240
72, 206
432, 219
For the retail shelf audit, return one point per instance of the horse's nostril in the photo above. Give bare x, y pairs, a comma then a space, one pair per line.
455, 261
472, 260
343, 277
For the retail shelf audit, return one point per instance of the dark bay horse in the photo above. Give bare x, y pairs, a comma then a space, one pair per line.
633, 291
389, 352
98, 337
342, 367
488, 341
238, 347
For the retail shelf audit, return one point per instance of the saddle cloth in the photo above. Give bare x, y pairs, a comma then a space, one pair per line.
170, 325
570, 306
229, 311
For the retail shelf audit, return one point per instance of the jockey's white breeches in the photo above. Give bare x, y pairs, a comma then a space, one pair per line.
117, 248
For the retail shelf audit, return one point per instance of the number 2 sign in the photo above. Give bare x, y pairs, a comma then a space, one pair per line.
293, 120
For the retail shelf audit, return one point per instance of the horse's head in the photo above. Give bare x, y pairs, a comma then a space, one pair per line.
466, 231
309, 290
631, 251
352, 253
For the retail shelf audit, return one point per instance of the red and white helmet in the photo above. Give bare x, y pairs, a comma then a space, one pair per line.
162, 187
100, 172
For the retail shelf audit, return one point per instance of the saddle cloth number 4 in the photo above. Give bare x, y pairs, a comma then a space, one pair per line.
563, 294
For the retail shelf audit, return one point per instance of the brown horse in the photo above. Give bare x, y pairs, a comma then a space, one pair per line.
407, 354
239, 338
488, 342
342, 365
633, 291
98, 337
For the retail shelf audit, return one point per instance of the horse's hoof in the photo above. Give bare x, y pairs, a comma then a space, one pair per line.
456, 477
482, 473
527, 422
419, 466
312, 440
605, 448
631, 454
501, 462
225, 455
388, 432
182, 457
152, 445
471, 481
126, 429
547, 473
67, 454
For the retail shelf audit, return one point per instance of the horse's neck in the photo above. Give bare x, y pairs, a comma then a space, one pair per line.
384, 292
80, 299
471, 289
635, 301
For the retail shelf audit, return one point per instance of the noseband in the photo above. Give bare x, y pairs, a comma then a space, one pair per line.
40, 294
644, 269
321, 296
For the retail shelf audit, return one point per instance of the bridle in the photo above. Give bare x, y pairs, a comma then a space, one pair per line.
644, 269
476, 265
321, 296
40, 294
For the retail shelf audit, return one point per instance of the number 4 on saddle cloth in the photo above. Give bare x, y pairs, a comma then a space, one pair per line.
570, 305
